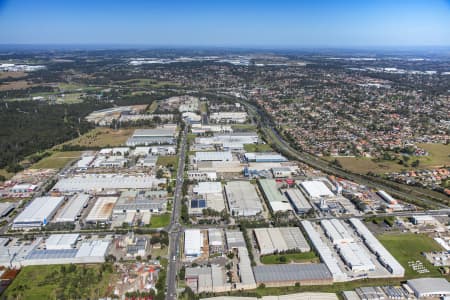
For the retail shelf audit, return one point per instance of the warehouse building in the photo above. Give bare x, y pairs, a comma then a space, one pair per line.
215, 240
277, 201
61, 241
228, 117
158, 136
429, 287
100, 182
207, 195
202, 128
230, 141
336, 232
202, 176
6, 208
213, 156
245, 271
207, 279
282, 172
315, 190
290, 274
193, 243
141, 201
298, 201
271, 240
325, 253
235, 239
242, 198
264, 157
72, 209
384, 257
297, 296
102, 210
221, 167
38, 213
23, 188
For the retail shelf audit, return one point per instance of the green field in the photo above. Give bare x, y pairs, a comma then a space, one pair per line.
152, 107
167, 161
291, 257
61, 282
244, 127
57, 160
257, 148
408, 247
101, 137
158, 221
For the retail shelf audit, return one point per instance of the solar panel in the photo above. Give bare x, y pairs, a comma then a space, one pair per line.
201, 203
194, 203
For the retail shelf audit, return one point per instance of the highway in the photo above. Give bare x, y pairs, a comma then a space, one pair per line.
174, 228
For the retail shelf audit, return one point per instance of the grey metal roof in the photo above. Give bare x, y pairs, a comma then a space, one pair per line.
427, 286
291, 272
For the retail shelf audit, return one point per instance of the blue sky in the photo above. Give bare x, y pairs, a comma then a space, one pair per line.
319, 23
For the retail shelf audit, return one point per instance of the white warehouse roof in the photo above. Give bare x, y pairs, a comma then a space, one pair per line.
213, 156
429, 287
102, 210
73, 208
38, 212
316, 189
208, 188
193, 242
61, 241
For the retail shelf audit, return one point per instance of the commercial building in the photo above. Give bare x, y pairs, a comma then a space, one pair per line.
290, 274
202, 176
242, 198
23, 188
213, 156
298, 201
316, 189
72, 209
193, 243
325, 253
102, 210
384, 257
264, 157
429, 287
141, 201
38, 213
202, 129
228, 117
158, 136
100, 182
277, 201
282, 172
280, 239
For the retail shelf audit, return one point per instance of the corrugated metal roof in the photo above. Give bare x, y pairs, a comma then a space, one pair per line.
291, 272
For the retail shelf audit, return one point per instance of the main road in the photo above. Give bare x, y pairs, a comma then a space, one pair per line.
174, 228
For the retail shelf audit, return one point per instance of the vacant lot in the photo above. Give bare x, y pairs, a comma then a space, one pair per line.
57, 160
408, 247
289, 258
102, 137
244, 127
257, 148
61, 282
158, 221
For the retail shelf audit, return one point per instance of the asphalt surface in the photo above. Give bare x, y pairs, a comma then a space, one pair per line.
174, 228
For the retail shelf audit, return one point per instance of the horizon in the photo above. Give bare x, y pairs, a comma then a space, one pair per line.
202, 24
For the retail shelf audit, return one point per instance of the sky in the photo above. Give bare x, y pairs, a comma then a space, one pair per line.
234, 23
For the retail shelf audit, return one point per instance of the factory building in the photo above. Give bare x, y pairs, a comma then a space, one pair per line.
280, 239
298, 201
100, 182
23, 188
242, 199
207, 279
230, 141
38, 213
290, 274
235, 239
297, 296
232, 166
202, 129
315, 190
336, 232
213, 156
202, 176
158, 136
193, 243
141, 201
282, 172
264, 157
384, 257
6, 208
430, 287
61, 241
72, 209
228, 117
325, 253
207, 195
102, 210
216, 240
386, 197
277, 201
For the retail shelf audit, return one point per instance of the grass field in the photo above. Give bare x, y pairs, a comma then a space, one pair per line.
57, 160
158, 221
243, 127
257, 148
102, 137
60, 282
291, 257
152, 107
408, 247
439, 156
167, 161
6, 174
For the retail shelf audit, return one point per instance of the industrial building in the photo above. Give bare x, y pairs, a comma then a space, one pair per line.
336, 232
264, 157
277, 201
202, 128
298, 201
297, 296
230, 141
213, 156
207, 279
242, 198
158, 136
72, 209
429, 287
193, 243
100, 182
232, 166
290, 274
325, 253
215, 240
61, 241
271, 240
141, 201
282, 172
235, 239
6, 208
38, 213
316, 190
384, 257
23, 188
202, 176
207, 195
228, 117
102, 210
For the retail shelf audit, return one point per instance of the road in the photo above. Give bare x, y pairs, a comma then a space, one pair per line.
174, 228
404, 192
